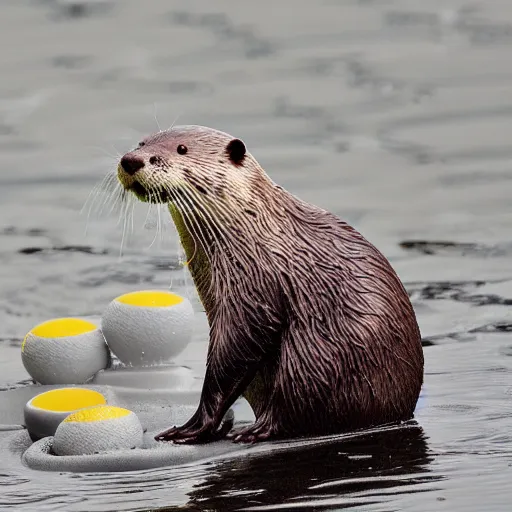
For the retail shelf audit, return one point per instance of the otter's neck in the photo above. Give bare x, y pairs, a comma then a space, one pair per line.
197, 260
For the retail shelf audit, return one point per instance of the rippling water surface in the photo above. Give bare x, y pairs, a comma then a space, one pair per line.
394, 114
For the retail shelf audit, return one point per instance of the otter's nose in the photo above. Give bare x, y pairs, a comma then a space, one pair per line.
132, 163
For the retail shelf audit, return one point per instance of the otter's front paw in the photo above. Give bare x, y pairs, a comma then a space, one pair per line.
259, 431
188, 435
199, 429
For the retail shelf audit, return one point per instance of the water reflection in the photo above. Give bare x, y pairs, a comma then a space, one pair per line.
333, 475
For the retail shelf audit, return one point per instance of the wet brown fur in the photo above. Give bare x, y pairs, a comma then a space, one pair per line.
308, 320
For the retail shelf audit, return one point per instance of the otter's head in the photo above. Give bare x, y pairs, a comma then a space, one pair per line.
209, 181
189, 163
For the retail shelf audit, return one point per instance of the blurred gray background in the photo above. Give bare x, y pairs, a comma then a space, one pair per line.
394, 114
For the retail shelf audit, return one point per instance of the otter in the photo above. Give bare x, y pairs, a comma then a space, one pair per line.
308, 320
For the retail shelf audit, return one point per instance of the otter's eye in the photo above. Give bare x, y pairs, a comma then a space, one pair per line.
141, 144
181, 149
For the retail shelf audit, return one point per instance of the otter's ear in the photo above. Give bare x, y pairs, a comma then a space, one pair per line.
236, 151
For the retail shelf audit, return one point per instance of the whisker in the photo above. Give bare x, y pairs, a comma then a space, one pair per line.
174, 122
188, 261
189, 225
124, 230
118, 153
213, 226
104, 191
189, 216
156, 118
108, 195
213, 218
104, 151
94, 191
124, 206
150, 207
153, 198
132, 215
159, 226
195, 208
102, 188
212, 221
116, 199
160, 205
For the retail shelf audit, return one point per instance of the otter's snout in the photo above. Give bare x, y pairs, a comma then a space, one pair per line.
132, 163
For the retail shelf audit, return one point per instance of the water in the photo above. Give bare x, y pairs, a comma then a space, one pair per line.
394, 114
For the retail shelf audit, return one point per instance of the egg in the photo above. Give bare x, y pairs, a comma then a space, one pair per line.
46, 411
98, 429
64, 351
148, 327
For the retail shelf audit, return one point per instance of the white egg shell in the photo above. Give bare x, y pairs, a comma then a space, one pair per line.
65, 360
88, 436
143, 336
